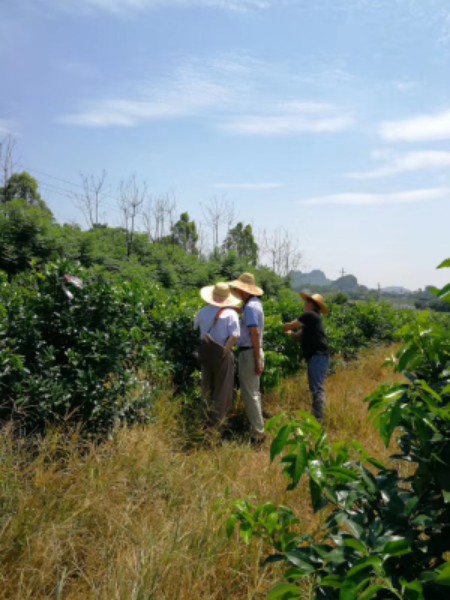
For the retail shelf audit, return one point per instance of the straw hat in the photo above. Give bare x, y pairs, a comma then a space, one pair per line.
246, 283
317, 299
219, 295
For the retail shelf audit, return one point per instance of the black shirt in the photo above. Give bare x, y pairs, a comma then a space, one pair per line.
313, 339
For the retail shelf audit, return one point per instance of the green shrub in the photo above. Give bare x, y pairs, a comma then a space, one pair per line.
90, 359
387, 527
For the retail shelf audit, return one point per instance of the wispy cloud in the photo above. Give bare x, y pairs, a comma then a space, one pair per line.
187, 95
123, 7
407, 163
418, 129
6, 127
293, 118
220, 90
249, 186
374, 199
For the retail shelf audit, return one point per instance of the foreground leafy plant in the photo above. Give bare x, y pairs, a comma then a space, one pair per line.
387, 528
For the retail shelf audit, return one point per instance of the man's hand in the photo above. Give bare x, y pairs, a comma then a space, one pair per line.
259, 366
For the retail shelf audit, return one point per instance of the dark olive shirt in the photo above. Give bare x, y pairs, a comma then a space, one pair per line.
313, 339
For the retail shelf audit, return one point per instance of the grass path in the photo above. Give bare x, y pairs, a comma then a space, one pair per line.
138, 519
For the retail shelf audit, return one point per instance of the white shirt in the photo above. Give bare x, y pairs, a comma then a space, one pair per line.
226, 325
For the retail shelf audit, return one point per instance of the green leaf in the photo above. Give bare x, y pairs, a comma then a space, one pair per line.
284, 591
231, 522
444, 293
343, 474
370, 592
397, 547
317, 498
300, 463
298, 560
415, 589
367, 563
333, 581
444, 264
406, 356
280, 441
444, 575
424, 385
356, 544
348, 590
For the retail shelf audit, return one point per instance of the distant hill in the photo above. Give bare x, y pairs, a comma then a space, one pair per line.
395, 289
316, 279
347, 283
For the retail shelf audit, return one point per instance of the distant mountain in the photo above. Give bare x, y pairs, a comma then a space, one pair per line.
395, 289
348, 283
315, 278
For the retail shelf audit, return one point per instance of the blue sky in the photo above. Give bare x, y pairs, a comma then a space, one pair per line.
328, 118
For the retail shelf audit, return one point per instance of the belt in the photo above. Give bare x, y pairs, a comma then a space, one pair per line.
319, 354
241, 348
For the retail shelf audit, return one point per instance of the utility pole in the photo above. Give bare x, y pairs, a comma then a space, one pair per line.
342, 272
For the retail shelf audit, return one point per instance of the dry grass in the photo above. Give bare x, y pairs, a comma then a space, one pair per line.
137, 518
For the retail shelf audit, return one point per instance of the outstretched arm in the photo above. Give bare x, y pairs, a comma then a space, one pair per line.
293, 328
292, 325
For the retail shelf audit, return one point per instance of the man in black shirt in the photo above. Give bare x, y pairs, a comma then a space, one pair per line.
313, 339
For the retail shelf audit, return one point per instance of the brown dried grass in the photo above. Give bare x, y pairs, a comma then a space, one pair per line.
138, 518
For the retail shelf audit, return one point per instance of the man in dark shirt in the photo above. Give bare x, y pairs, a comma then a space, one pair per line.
313, 340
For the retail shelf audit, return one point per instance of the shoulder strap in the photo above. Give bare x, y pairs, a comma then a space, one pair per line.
216, 317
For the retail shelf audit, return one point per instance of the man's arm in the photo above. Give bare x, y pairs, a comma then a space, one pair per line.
254, 336
293, 328
231, 341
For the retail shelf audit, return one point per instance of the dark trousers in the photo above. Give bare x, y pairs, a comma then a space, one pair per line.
217, 378
317, 372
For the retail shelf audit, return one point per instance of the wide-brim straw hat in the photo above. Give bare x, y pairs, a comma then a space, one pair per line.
220, 295
317, 299
246, 283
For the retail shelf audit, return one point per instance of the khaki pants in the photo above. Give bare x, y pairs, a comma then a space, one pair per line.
251, 396
217, 378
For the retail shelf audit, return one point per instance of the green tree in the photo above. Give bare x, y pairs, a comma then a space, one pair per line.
26, 233
240, 239
184, 234
22, 186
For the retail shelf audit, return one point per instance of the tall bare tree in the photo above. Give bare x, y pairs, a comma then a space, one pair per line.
131, 200
7, 160
280, 251
91, 199
159, 216
219, 215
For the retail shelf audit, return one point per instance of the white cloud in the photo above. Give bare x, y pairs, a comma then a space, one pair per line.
407, 163
418, 129
375, 199
249, 186
186, 96
293, 118
119, 7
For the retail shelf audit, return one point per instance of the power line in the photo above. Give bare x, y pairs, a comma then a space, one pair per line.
72, 183
67, 193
